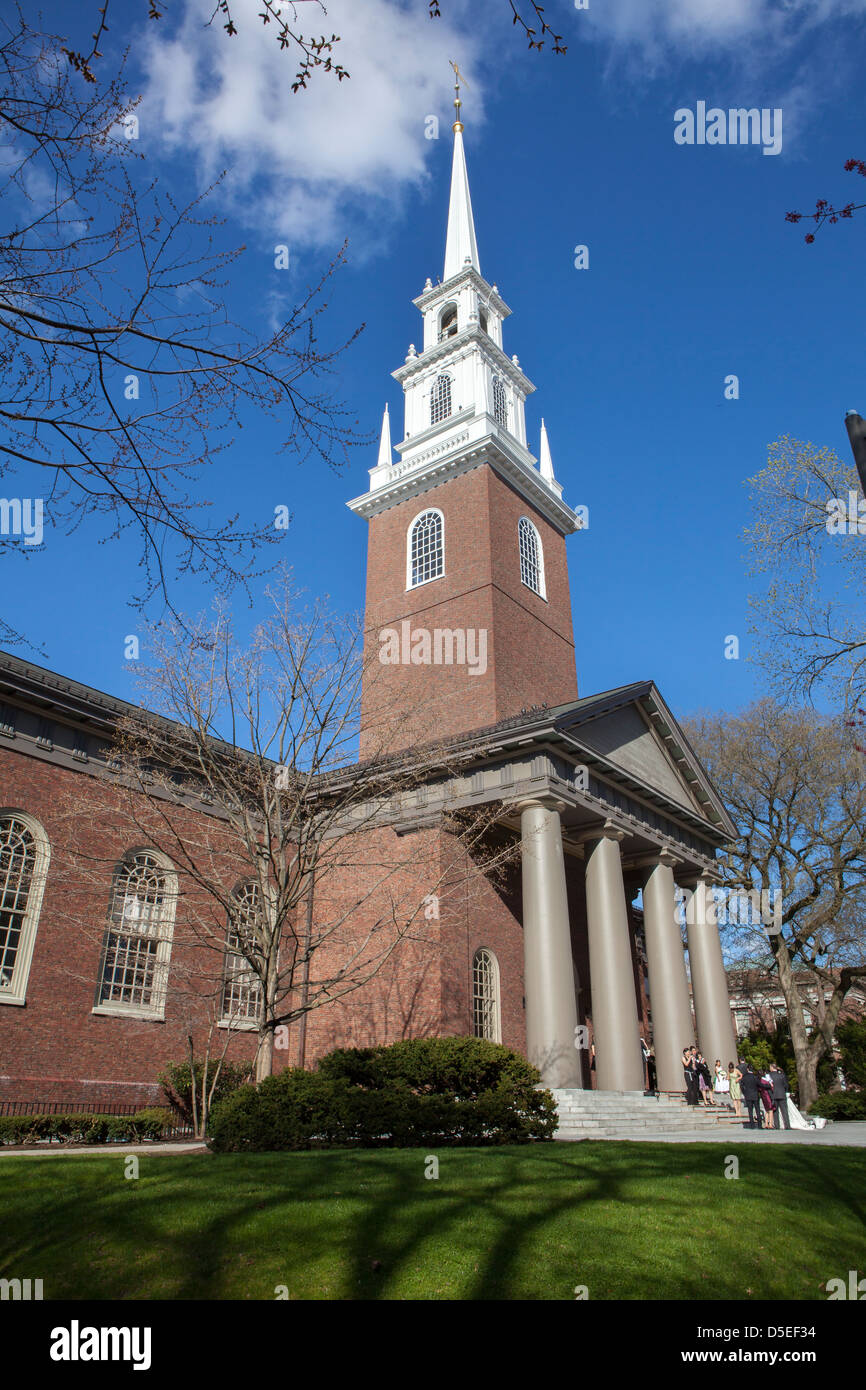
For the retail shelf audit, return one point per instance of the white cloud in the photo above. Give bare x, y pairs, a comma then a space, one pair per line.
313, 167
707, 28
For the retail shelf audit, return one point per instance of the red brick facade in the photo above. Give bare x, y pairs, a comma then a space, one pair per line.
530, 642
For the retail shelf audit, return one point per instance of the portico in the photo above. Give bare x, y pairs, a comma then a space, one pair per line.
610, 802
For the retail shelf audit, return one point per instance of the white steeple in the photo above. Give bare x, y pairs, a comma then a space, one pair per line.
464, 397
385, 441
545, 462
461, 248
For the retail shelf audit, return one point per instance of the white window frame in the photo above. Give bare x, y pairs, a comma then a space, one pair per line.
245, 1022
441, 376
494, 1008
541, 591
428, 511
155, 1010
17, 991
497, 380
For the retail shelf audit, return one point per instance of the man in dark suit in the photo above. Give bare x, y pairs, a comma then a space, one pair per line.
749, 1087
780, 1096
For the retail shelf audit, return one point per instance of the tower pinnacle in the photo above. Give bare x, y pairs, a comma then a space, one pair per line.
461, 247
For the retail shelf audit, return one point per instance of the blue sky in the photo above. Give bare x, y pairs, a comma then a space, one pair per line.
693, 275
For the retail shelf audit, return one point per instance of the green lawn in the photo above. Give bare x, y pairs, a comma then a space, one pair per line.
626, 1220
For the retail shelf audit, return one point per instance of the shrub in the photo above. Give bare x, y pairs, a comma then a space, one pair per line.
852, 1045
841, 1105
177, 1086
426, 1091
72, 1128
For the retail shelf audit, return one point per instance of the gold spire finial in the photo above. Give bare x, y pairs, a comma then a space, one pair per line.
458, 78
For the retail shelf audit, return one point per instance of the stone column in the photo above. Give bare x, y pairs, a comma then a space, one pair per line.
619, 1062
668, 982
716, 1036
551, 1006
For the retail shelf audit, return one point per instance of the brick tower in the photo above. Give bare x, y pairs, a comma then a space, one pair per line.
468, 616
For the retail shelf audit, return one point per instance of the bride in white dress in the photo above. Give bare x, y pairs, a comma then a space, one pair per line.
799, 1121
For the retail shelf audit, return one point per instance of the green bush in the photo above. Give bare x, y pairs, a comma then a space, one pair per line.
422, 1092
852, 1045
841, 1105
72, 1128
177, 1087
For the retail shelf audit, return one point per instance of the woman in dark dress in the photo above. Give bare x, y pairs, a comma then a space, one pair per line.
691, 1076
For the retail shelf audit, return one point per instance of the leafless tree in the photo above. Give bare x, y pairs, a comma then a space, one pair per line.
295, 882
805, 537
124, 374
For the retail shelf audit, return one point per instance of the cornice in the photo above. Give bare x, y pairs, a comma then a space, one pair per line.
419, 478
468, 275
457, 346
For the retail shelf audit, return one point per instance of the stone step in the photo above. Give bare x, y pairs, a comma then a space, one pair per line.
624, 1114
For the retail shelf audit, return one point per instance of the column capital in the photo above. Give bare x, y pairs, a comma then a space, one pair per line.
663, 856
545, 803
693, 877
609, 830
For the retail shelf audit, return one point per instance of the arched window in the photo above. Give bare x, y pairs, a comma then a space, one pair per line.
135, 958
485, 996
531, 557
440, 400
482, 319
24, 855
448, 322
242, 987
500, 402
425, 557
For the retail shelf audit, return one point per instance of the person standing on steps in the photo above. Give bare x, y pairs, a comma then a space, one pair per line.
749, 1085
690, 1075
780, 1096
735, 1077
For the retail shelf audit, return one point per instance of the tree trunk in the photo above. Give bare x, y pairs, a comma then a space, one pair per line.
265, 1053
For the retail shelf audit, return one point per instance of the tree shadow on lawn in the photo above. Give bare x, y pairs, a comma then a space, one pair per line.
628, 1221
636, 1223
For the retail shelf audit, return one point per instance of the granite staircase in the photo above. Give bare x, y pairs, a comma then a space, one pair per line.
625, 1114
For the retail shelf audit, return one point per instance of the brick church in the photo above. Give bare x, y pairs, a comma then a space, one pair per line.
468, 606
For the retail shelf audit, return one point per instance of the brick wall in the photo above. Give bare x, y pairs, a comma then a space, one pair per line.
530, 644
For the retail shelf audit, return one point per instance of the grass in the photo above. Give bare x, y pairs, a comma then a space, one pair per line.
632, 1221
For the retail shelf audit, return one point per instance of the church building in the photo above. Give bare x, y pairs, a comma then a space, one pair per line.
468, 613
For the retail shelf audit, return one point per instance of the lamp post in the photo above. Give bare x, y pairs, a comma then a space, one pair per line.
856, 427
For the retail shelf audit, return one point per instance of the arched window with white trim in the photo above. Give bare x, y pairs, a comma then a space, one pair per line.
24, 855
425, 550
500, 402
486, 1020
531, 557
242, 986
134, 972
440, 399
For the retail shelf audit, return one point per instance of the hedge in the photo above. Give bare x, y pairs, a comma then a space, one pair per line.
72, 1128
841, 1105
423, 1092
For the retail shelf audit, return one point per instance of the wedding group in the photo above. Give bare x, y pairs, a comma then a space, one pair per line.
765, 1095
